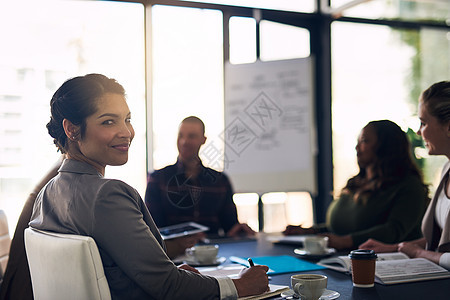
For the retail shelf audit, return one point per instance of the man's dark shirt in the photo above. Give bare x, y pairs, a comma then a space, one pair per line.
173, 198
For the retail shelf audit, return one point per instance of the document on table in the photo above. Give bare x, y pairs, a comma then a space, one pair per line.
275, 289
233, 271
408, 270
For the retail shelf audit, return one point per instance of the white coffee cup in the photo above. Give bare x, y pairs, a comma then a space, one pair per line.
309, 286
316, 244
203, 254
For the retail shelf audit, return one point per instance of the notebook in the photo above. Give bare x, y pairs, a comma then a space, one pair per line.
279, 264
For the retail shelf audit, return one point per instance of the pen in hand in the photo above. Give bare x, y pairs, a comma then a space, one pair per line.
250, 261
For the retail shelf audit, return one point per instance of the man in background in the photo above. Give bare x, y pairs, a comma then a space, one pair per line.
188, 191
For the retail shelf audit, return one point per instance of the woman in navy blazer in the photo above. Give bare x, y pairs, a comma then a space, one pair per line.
91, 123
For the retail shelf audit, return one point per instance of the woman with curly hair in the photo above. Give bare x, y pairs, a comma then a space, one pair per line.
385, 200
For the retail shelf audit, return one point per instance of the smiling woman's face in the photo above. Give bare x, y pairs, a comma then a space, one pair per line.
434, 133
108, 132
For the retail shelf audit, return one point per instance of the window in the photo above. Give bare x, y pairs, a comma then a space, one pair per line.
63, 40
288, 5
187, 66
242, 40
247, 207
381, 77
410, 10
282, 209
279, 41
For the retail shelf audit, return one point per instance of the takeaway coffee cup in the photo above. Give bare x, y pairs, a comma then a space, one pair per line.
204, 254
316, 244
363, 267
309, 286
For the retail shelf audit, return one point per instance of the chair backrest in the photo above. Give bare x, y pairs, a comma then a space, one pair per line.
5, 242
65, 266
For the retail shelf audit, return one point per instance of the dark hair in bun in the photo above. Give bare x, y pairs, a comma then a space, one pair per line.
75, 101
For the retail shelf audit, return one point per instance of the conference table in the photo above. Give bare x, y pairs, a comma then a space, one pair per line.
337, 281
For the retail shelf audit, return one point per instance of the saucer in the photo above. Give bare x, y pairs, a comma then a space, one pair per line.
194, 263
307, 254
327, 295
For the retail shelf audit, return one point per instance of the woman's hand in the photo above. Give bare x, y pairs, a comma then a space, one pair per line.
378, 247
415, 249
252, 281
411, 249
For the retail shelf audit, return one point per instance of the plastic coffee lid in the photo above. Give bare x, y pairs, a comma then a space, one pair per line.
362, 254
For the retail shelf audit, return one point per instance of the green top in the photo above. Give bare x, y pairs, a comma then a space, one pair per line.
391, 215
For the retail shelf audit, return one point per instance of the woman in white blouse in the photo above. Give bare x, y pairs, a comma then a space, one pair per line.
434, 114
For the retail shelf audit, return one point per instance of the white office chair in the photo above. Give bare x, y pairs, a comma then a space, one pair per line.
5, 243
65, 266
